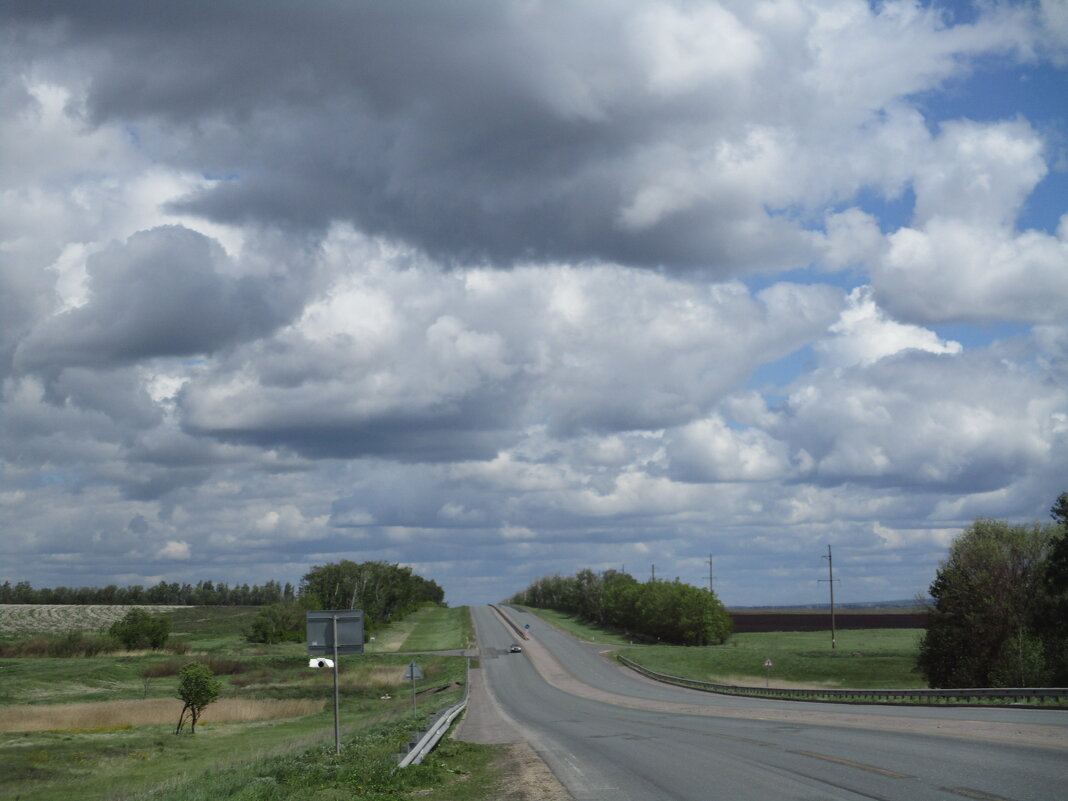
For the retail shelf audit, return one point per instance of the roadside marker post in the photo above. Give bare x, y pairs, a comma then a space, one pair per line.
413, 672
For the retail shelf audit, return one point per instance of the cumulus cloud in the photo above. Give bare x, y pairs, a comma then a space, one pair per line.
923, 420
864, 334
174, 549
465, 359
956, 270
504, 289
166, 292
676, 142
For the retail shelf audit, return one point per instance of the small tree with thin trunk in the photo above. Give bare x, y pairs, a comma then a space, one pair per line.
197, 687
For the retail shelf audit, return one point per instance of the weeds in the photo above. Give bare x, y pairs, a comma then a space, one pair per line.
73, 644
63, 646
172, 667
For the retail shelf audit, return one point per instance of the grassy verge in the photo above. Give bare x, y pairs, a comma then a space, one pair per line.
366, 769
578, 628
99, 755
102, 727
439, 628
864, 659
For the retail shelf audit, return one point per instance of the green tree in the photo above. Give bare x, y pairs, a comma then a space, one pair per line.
278, 623
139, 629
383, 591
1052, 618
197, 687
986, 596
670, 611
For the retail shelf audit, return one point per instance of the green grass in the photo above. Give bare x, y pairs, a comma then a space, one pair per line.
864, 659
578, 628
248, 758
220, 629
366, 769
438, 628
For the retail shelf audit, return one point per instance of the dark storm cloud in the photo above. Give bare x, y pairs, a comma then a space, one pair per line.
165, 292
478, 131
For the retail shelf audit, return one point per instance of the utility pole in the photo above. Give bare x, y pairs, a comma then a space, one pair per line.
654, 573
710, 576
830, 581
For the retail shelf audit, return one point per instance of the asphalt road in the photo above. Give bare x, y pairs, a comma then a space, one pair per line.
637, 740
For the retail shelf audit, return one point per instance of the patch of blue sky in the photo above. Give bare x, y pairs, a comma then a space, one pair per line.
954, 12
980, 335
891, 213
998, 88
846, 279
1047, 203
772, 379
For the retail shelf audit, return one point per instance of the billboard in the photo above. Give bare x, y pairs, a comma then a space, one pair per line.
320, 627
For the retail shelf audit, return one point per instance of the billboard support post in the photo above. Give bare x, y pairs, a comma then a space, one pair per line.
335, 631
337, 702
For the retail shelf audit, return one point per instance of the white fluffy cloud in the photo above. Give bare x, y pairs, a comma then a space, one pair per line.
505, 289
864, 334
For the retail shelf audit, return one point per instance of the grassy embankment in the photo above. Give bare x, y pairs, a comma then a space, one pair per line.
102, 727
864, 659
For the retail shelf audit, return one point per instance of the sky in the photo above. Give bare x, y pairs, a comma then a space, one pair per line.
504, 289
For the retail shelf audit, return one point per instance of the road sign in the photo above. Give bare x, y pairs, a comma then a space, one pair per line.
320, 629
767, 663
413, 673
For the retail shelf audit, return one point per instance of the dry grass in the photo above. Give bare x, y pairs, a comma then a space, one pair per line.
751, 681
153, 711
378, 676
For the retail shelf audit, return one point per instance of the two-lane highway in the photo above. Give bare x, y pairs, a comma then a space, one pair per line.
637, 740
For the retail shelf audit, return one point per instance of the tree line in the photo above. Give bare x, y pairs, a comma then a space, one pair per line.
203, 593
385, 592
671, 612
999, 611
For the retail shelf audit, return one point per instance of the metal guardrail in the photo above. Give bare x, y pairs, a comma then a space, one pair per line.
1014, 696
437, 729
